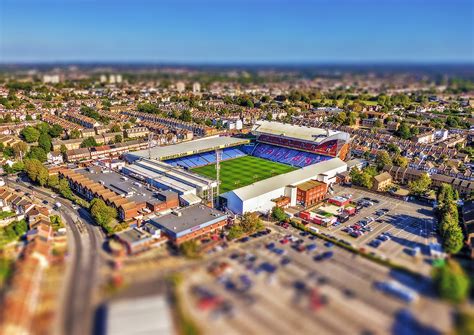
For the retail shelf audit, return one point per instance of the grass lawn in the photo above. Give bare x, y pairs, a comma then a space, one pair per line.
243, 171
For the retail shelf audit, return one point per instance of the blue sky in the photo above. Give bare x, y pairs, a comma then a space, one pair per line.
237, 31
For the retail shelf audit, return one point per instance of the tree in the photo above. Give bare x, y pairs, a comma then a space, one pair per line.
55, 131
64, 189
190, 249
33, 168
73, 134
102, 213
451, 281
445, 194
18, 167
115, 128
421, 185
453, 239
44, 141
378, 123
278, 214
251, 222
118, 138
127, 126
186, 116
63, 149
20, 149
43, 176
404, 131
235, 232
89, 142
400, 161
269, 116
37, 153
53, 181
30, 134
382, 159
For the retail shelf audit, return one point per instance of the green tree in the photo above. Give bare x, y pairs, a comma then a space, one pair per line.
186, 116
73, 134
33, 169
382, 159
89, 142
20, 149
451, 281
190, 249
404, 131
53, 181
235, 231
400, 161
102, 213
44, 141
118, 138
278, 214
63, 149
421, 185
56, 131
453, 239
37, 153
18, 167
251, 222
64, 189
30, 134
115, 128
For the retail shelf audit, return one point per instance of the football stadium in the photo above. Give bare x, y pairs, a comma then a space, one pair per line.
253, 172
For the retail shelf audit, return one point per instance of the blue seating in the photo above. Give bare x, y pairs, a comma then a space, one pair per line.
287, 156
205, 158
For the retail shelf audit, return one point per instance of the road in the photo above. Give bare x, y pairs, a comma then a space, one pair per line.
83, 263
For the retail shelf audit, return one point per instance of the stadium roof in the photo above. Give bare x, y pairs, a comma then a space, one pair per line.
189, 148
291, 178
309, 134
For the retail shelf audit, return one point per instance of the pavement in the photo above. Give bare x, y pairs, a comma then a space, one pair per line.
409, 224
274, 306
83, 262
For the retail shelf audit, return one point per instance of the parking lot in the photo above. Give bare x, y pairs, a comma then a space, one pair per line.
268, 285
392, 228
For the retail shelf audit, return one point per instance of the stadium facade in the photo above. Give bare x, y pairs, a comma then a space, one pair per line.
318, 153
261, 196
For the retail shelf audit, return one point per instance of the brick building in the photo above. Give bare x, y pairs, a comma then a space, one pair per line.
310, 192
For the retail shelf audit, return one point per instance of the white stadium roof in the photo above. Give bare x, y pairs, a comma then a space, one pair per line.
189, 148
291, 178
309, 134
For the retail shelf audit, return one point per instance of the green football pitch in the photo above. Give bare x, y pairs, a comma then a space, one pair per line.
243, 171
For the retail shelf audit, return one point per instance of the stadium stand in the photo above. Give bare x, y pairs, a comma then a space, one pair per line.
326, 148
205, 158
287, 156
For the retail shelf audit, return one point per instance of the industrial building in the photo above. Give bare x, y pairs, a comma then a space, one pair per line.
190, 222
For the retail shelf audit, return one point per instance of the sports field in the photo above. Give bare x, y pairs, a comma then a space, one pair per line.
243, 171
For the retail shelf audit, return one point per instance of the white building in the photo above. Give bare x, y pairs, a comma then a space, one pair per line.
51, 79
180, 87
103, 78
196, 87
258, 196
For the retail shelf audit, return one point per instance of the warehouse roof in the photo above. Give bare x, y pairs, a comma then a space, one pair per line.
189, 148
291, 178
188, 217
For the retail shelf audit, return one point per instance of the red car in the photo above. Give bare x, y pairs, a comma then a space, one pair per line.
284, 241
